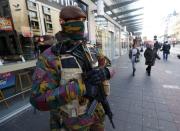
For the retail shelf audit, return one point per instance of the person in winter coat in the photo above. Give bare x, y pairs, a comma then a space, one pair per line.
134, 56
166, 50
150, 58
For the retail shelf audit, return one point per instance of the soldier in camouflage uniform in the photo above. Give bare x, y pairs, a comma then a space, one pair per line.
65, 97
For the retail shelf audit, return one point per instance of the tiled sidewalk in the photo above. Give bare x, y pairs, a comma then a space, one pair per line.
144, 103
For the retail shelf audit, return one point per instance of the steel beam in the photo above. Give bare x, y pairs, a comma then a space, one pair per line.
118, 5
129, 17
132, 23
126, 12
131, 20
135, 28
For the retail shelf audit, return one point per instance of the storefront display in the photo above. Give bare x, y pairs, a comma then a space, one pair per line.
108, 37
124, 41
10, 47
16, 51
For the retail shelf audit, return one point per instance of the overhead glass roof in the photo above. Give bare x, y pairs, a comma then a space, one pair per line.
128, 13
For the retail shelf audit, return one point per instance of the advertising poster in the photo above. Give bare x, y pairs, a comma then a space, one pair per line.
7, 80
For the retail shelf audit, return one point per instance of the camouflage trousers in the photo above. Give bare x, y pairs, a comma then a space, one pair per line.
55, 124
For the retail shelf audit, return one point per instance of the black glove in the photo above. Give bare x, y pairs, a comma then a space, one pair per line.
91, 90
96, 76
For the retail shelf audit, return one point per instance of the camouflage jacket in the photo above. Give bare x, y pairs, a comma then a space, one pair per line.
48, 95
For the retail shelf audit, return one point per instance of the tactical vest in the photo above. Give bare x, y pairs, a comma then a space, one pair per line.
71, 70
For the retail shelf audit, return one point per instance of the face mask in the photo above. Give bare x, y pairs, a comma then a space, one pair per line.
75, 29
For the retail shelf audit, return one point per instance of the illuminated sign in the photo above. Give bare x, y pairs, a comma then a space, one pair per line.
7, 80
5, 24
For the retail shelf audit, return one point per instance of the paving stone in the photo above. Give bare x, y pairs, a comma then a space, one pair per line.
160, 100
149, 129
150, 122
135, 118
148, 99
150, 113
124, 107
161, 107
121, 115
167, 126
136, 109
178, 126
164, 116
119, 125
133, 127
149, 105
176, 118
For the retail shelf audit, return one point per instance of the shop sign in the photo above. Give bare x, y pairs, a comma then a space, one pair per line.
26, 31
5, 24
7, 80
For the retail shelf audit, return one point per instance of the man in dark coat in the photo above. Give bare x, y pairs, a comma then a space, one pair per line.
157, 45
150, 56
166, 50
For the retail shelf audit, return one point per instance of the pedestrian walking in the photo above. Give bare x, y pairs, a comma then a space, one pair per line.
134, 56
150, 58
166, 50
68, 78
157, 45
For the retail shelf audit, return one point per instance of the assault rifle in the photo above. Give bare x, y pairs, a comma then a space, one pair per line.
81, 52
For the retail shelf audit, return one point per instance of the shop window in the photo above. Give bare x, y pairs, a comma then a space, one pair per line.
27, 47
9, 47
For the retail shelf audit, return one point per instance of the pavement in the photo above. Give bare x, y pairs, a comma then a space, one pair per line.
140, 103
